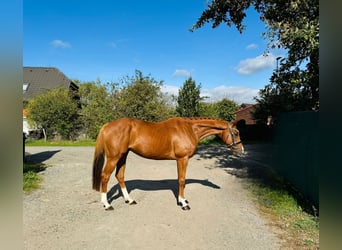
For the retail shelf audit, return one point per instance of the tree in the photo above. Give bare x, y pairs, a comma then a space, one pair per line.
188, 101
141, 98
97, 107
292, 25
225, 109
56, 111
208, 109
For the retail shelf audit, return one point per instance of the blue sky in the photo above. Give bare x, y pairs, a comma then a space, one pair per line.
108, 40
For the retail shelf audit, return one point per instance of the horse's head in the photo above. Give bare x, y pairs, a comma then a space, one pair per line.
231, 138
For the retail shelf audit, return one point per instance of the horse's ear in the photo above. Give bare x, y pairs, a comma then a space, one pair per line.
234, 123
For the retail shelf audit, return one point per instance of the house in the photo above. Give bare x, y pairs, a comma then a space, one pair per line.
250, 129
245, 113
37, 80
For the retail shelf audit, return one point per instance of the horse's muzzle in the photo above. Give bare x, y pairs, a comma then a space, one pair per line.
237, 151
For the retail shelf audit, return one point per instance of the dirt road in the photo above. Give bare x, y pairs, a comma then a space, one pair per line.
67, 214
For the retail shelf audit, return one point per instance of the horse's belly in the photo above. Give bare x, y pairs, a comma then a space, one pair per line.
154, 154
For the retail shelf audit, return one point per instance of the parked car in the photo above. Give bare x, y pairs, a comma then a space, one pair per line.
31, 132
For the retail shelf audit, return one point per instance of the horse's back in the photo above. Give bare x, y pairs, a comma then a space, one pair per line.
155, 140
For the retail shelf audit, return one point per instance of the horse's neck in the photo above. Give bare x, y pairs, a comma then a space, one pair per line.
206, 127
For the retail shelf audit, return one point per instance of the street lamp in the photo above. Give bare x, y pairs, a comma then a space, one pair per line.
278, 58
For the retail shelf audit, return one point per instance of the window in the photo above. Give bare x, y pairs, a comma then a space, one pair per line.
25, 86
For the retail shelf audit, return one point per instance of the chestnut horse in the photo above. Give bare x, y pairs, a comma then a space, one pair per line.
173, 139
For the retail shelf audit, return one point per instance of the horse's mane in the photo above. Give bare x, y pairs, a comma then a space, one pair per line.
206, 122
203, 118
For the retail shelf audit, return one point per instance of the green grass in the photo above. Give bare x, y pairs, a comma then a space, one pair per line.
286, 209
211, 140
215, 140
60, 143
31, 179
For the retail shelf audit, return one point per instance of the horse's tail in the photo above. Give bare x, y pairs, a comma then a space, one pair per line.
99, 158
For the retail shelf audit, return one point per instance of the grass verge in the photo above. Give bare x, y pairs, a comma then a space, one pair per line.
285, 209
60, 143
31, 179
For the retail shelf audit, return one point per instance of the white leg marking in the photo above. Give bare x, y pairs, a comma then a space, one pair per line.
182, 201
104, 200
126, 196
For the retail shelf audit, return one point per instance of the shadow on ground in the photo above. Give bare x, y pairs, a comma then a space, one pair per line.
40, 157
252, 164
255, 165
155, 185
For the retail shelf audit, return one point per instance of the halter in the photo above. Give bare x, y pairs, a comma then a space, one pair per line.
233, 138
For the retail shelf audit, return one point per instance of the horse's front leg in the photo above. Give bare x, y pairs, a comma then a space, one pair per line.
120, 174
181, 169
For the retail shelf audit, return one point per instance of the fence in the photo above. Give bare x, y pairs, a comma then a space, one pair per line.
295, 151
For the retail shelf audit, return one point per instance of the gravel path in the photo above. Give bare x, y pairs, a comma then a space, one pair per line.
67, 214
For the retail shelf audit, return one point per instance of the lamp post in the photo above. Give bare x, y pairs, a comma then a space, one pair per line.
278, 58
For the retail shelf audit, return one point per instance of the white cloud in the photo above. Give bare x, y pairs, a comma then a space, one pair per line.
170, 90
256, 64
238, 94
235, 93
60, 44
252, 46
182, 72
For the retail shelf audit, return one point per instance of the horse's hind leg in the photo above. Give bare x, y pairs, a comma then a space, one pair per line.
106, 173
120, 176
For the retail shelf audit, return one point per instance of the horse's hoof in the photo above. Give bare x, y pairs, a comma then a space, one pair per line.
180, 203
186, 208
109, 208
131, 203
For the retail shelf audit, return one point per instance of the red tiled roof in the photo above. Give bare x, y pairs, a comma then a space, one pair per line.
245, 113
